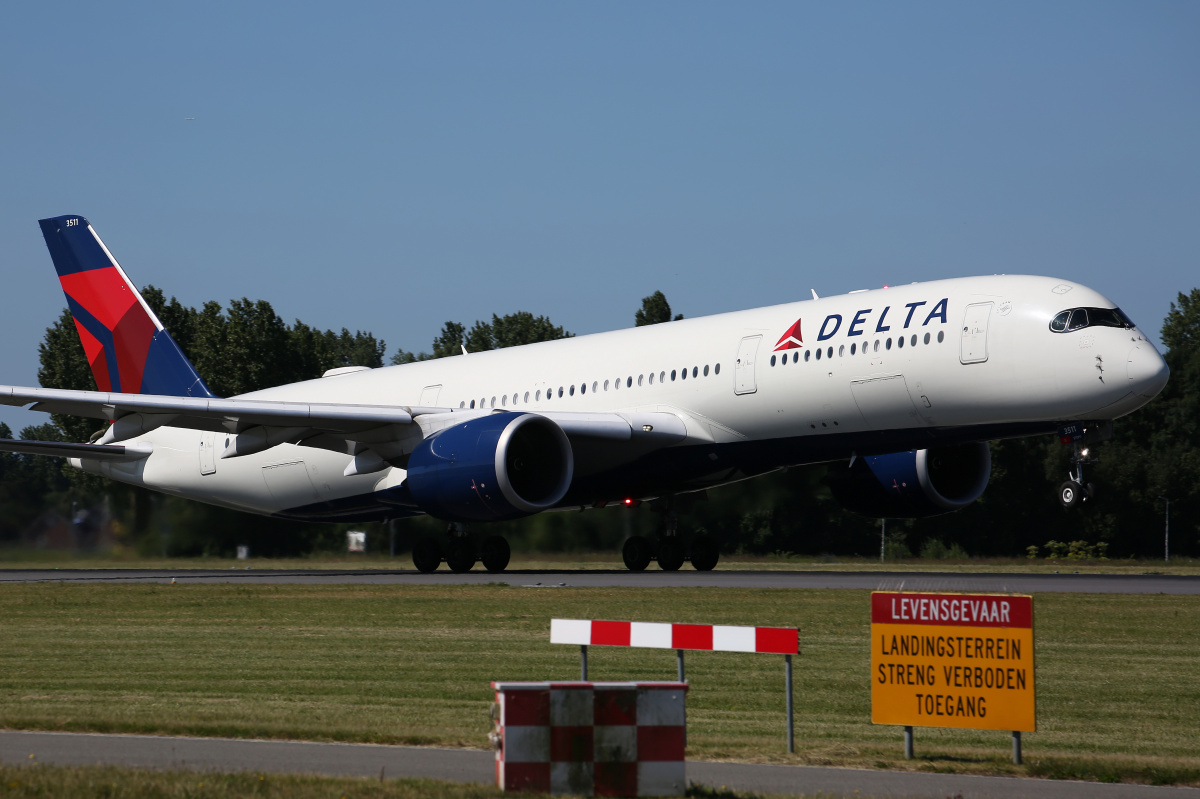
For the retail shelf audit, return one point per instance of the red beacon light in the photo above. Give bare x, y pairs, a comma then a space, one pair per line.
631, 503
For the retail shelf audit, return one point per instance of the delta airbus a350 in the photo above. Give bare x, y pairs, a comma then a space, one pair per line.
899, 389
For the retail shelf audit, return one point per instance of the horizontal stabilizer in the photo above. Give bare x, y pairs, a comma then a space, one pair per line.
63, 449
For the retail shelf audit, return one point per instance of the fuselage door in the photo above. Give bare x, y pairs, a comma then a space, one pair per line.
974, 348
743, 370
208, 453
429, 395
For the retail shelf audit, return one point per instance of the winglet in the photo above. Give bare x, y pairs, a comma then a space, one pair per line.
128, 348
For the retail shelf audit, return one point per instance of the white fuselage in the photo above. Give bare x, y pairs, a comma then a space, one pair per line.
978, 360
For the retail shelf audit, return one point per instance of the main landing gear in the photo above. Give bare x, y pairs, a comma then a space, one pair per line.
671, 552
1075, 490
461, 552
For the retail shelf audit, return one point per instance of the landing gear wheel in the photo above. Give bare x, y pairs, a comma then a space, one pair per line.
636, 554
427, 555
460, 555
705, 553
670, 554
495, 553
1070, 494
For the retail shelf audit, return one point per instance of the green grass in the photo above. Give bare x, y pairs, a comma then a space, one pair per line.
1117, 677
127, 783
15, 558
113, 782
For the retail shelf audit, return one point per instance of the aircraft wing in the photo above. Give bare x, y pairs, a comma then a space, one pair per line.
389, 432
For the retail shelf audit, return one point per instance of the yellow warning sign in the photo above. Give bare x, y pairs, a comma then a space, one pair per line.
952, 660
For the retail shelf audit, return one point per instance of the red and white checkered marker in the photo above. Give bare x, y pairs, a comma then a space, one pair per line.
707, 637
593, 739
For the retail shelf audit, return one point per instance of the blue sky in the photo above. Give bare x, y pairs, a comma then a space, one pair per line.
388, 167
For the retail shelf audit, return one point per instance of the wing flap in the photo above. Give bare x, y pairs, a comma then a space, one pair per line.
62, 449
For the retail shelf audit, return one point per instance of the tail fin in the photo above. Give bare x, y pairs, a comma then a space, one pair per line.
127, 346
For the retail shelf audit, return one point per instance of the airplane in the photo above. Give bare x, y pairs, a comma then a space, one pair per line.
898, 389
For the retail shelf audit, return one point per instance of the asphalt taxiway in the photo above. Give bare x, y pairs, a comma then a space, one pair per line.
1004, 582
473, 765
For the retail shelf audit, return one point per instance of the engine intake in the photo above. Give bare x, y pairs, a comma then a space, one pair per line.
492, 468
913, 484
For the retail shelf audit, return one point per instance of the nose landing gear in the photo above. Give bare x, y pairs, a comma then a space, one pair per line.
1076, 490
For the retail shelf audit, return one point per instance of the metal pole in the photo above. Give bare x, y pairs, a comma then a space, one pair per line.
1016, 747
679, 663
908, 743
882, 538
791, 736
583, 662
1166, 531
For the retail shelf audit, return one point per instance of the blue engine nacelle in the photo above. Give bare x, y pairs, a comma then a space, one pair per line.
492, 468
913, 484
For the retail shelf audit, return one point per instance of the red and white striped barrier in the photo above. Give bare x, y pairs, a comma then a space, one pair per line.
707, 637
594, 739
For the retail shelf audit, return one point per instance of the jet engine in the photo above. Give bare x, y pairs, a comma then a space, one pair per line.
492, 468
913, 484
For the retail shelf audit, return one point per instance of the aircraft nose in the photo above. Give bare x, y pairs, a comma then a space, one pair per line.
1148, 372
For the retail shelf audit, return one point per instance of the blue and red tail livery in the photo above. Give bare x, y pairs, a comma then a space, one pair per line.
126, 345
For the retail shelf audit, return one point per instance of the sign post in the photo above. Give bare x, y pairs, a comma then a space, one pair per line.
953, 660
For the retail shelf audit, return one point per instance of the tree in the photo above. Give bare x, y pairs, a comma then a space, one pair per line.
655, 309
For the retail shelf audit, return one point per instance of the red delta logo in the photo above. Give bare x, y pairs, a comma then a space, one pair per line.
791, 339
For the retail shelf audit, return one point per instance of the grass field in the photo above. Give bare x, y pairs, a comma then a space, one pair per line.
42, 559
1118, 681
127, 783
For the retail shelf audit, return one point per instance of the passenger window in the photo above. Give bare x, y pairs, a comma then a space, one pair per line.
472, 404
807, 355
538, 395
606, 385
706, 370
1059, 323
560, 391
926, 338
662, 377
1079, 319
695, 371
673, 371
583, 388
772, 360
819, 354
629, 381
683, 374
842, 351
493, 402
852, 346
594, 384
877, 345
941, 336
504, 400
527, 397
888, 344
900, 342
639, 380
796, 356
717, 369
829, 353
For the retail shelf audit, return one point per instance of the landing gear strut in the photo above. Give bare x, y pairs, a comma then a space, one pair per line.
1075, 490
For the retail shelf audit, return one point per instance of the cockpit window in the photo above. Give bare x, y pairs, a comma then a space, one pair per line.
1078, 318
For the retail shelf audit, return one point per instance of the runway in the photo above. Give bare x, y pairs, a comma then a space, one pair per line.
587, 578
471, 765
